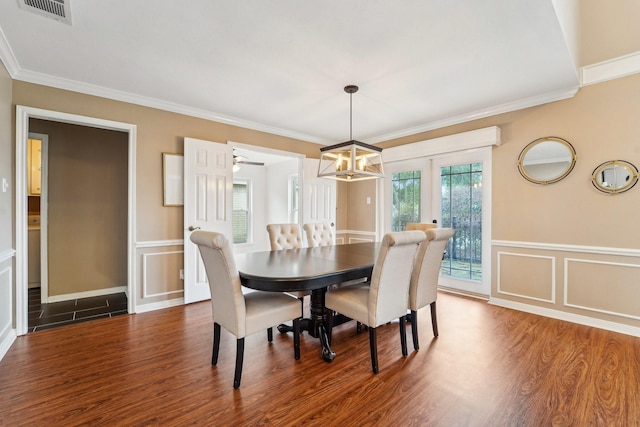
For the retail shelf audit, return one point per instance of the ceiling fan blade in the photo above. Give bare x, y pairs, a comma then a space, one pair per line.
243, 162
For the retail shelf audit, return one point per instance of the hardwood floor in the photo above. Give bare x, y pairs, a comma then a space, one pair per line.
490, 367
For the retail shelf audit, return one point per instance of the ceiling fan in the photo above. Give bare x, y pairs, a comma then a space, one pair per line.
241, 160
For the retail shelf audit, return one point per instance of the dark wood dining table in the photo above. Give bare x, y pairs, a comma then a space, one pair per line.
308, 269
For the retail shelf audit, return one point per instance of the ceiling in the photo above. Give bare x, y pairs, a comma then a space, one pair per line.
281, 66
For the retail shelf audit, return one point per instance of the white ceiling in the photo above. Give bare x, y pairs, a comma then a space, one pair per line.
281, 65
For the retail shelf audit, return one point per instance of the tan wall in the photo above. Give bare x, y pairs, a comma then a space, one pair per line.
609, 29
87, 207
6, 160
158, 131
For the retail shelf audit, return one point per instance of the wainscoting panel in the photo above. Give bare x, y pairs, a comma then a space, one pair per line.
7, 333
527, 276
360, 239
161, 273
597, 286
605, 287
354, 236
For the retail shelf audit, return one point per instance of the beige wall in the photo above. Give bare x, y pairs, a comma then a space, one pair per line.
87, 207
157, 226
158, 131
6, 160
609, 29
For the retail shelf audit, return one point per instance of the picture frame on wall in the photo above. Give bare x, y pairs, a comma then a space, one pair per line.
172, 177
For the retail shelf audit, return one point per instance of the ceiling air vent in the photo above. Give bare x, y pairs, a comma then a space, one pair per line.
54, 9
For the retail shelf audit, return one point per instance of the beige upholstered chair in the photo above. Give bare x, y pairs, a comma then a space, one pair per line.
318, 234
240, 314
284, 236
424, 278
385, 297
423, 226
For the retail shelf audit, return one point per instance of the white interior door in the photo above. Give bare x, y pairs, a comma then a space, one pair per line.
208, 185
318, 196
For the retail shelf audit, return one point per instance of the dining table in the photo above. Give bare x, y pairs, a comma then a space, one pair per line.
309, 269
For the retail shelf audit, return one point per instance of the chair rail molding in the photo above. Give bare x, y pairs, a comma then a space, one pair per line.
7, 255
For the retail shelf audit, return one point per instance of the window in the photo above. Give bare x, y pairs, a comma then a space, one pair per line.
461, 209
241, 211
293, 199
405, 187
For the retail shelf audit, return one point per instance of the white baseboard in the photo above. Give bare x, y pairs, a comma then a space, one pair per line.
143, 308
569, 317
87, 294
6, 342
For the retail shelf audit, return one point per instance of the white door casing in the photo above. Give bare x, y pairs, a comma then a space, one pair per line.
318, 196
208, 186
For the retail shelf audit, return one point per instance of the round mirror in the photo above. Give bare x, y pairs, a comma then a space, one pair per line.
547, 160
614, 176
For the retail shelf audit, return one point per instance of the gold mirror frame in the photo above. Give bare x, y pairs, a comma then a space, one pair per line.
552, 156
607, 179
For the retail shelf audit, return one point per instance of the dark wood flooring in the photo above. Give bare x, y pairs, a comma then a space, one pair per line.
490, 366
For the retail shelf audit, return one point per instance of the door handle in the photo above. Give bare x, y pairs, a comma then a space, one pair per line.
192, 228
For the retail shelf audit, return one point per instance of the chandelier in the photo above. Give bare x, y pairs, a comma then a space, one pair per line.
351, 160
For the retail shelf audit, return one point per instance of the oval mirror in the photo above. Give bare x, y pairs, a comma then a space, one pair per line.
614, 176
547, 160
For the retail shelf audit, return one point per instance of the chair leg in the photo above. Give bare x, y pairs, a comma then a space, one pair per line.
329, 316
216, 343
414, 329
239, 359
270, 334
373, 347
434, 319
284, 328
296, 339
403, 335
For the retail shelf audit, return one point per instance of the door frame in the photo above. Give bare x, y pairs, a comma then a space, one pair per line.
23, 114
44, 215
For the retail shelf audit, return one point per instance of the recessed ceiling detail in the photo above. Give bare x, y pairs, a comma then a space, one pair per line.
54, 9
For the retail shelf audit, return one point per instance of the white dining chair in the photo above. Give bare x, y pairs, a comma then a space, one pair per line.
385, 297
423, 290
318, 234
241, 314
286, 236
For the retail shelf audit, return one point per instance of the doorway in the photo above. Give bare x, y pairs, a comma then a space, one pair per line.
24, 115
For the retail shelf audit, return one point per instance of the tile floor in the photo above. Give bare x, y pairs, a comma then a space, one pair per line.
45, 316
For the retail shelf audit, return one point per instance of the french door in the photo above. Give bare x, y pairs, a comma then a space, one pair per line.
461, 199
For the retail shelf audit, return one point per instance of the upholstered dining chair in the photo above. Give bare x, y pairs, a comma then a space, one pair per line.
384, 298
318, 234
424, 226
286, 236
423, 290
241, 314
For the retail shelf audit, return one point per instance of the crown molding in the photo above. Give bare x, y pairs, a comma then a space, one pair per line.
7, 57
611, 69
479, 114
88, 89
